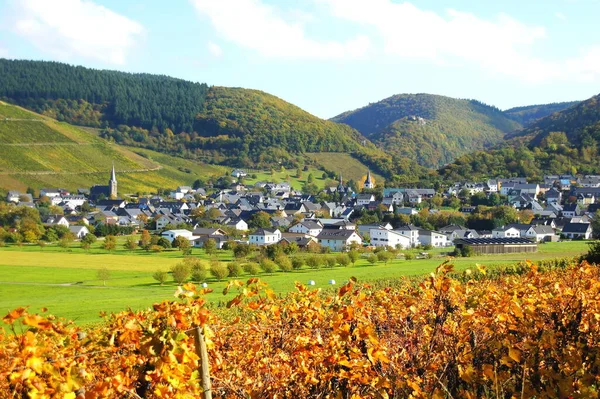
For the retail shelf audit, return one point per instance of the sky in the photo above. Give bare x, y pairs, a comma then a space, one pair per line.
327, 56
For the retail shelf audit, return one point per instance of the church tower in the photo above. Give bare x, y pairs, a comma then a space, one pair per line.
112, 183
369, 183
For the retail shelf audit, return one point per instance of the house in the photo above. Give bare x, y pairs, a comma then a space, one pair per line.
219, 240
210, 231
237, 224
541, 233
553, 196
51, 192
79, 231
13, 196
364, 199
506, 232
172, 234
55, 220
577, 230
303, 241
492, 186
308, 227
338, 240
381, 237
571, 210
366, 228
239, 173
410, 231
433, 238
265, 237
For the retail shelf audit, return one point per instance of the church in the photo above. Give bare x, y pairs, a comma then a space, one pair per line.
105, 192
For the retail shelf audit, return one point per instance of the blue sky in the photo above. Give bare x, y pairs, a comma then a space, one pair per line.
327, 56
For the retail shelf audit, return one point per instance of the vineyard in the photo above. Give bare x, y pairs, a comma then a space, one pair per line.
525, 331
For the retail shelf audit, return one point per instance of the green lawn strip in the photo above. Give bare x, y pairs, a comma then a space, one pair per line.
66, 282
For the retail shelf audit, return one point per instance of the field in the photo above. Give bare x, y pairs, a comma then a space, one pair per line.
66, 282
290, 176
350, 167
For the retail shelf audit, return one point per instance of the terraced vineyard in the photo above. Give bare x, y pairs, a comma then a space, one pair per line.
37, 151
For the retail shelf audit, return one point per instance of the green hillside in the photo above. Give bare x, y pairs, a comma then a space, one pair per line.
36, 151
91, 97
564, 142
528, 114
429, 129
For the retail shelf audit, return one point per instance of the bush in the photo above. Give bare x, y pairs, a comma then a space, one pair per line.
251, 268
297, 263
219, 271
156, 248
241, 250
235, 269
284, 263
89, 238
268, 266
160, 276
330, 261
181, 272
343, 260
163, 242
372, 259
314, 262
467, 251
198, 269
353, 255
409, 256
130, 244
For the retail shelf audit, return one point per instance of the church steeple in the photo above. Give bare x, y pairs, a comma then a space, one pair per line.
369, 181
112, 183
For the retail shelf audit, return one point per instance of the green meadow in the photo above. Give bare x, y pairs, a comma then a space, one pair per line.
65, 280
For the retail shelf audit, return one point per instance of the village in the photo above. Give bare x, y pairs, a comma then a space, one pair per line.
464, 215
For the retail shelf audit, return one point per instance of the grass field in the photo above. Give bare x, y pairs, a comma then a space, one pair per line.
66, 282
290, 175
350, 167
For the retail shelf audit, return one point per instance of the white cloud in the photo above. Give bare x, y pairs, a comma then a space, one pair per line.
67, 28
560, 16
257, 26
215, 49
500, 46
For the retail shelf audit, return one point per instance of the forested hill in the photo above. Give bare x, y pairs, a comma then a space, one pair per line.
432, 130
531, 113
564, 142
98, 98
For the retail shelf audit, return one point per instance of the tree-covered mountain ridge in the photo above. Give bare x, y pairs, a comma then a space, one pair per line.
567, 141
220, 125
526, 115
430, 129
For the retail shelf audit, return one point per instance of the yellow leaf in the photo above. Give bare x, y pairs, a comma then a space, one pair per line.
36, 364
514, 354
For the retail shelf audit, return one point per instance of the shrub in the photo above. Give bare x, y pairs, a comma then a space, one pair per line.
409, 256
330, 261
160, 276
219, 271
343, 259
251, 268
372, 259
163, 242
353, 255
181, 272
284, 263
156, 248
297, 263
314, 261
235, 269
268, 266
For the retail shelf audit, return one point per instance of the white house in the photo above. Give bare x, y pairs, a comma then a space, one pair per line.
79, 231
364, 199
338, 240
54, 220
506, 232
238, 224
265, 237
383, 237
540, 233
433, 238
172, 234
410, 231
308, 227
577, 230
239, 173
